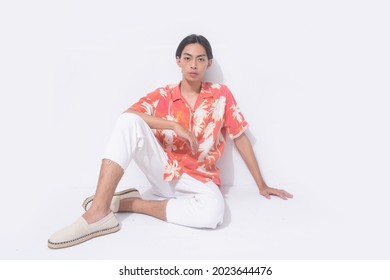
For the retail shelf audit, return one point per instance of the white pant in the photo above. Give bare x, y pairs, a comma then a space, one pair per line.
192, 202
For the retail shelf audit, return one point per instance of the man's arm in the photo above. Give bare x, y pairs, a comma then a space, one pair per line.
245, 149
159, 123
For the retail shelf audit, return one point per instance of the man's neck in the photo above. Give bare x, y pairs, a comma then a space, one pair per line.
190, 88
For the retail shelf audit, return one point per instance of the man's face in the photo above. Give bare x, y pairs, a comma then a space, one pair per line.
193, 62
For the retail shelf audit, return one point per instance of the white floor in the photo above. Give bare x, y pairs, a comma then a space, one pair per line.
310, 226
316, 95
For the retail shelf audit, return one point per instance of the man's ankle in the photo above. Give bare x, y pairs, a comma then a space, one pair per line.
94, 216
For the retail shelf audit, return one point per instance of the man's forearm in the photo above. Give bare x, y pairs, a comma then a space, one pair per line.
154, 122
245, 149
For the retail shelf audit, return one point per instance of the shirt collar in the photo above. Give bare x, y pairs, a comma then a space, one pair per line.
205, 92
176, 94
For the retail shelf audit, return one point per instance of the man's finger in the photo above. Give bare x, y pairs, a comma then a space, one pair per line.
265, 194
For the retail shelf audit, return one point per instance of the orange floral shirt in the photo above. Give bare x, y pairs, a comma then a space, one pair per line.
215, 114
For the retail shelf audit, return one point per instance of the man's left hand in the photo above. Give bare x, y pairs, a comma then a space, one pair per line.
267, 192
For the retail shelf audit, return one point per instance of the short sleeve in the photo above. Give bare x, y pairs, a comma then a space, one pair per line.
148, 103
235, 122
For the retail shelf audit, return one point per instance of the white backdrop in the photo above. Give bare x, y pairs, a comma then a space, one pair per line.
312, 78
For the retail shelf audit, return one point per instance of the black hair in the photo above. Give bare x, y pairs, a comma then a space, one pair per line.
192, 39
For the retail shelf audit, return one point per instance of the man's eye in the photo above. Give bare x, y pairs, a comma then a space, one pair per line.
187, 58
201, 59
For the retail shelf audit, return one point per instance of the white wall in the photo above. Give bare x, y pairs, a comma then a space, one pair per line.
312, 78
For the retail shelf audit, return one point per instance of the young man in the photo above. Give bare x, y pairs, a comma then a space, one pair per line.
175, 134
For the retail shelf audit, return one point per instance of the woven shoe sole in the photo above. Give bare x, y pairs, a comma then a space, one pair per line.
82, 239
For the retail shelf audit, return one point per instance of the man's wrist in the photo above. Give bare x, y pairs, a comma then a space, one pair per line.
262, 186
174, 125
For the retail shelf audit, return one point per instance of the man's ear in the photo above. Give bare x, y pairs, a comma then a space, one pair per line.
209, 63
178, 61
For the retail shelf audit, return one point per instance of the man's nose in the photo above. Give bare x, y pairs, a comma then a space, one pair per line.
194, 64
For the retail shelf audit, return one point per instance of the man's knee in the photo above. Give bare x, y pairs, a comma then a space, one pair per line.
199, 211
129, 118
213, 209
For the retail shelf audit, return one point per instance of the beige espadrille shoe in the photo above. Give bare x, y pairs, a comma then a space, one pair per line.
118, 196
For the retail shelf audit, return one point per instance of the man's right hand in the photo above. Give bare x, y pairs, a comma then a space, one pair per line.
187, 136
